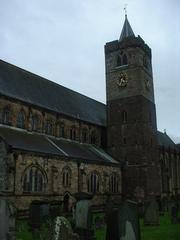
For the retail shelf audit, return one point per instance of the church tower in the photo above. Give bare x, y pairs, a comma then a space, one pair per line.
131, 113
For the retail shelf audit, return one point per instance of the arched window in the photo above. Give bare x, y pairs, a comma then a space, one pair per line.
6, 115
113, 183
34, 122
119, 62
66, 177
49, 127
125, 60
34, 180
73, 133
124, 117
93, 183
21, 119
93, 137
62, 130
84, 135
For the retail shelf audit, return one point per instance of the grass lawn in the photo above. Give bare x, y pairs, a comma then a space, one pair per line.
165, 231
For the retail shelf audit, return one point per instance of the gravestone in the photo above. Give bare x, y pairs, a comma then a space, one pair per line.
35, 217
174, 213
55, 208
62, 230
128, 221
164, 203
7, 220
151, 213
111, 219
3, 219
112, 231
83, 216
99, 222
3, 166
123, 223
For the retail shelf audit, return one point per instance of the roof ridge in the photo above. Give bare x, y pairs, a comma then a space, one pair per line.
50, 81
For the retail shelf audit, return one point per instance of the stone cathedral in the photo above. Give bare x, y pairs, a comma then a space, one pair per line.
55, 142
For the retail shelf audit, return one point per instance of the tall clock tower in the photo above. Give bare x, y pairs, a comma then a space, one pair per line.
131, 113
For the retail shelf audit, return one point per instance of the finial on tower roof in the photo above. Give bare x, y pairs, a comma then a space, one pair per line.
127, 30
125, 9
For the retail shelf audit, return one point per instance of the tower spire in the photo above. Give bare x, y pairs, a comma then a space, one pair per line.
126, 30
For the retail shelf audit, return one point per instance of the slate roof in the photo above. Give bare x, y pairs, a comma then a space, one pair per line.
165, 140
20, 84
126, 30
42, 144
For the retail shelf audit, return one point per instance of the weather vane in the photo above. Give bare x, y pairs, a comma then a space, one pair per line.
125, 9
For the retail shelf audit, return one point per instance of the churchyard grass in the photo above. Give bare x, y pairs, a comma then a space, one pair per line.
165, 230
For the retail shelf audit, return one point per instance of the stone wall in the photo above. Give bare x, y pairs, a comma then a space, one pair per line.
53, 170
170, 171
56, 119
131, 115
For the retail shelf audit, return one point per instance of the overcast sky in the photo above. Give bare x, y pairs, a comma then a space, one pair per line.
63, 40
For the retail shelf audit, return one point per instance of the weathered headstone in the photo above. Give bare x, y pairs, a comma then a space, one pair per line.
174, 214
83, 216
112, 231
7, 220
151, 213
35, 217
111, 219
99, 222
3, 166
164, 203
62, 230
55, 209
3, 219
123, 224
128, 221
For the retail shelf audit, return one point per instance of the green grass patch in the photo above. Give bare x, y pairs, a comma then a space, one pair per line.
165, 230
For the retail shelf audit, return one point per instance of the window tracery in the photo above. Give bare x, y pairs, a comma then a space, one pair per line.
34, 180
6, 115
21, 119
66, 177
93, 183
84, 135
113, 183
73, 133
49, 127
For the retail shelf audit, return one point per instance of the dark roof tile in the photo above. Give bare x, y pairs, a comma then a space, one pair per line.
43, 144
165, 140
28, 87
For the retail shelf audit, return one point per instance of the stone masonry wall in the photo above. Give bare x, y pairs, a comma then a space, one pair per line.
53, 169
55, 118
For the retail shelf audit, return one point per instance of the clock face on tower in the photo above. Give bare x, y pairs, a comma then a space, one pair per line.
122, 80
